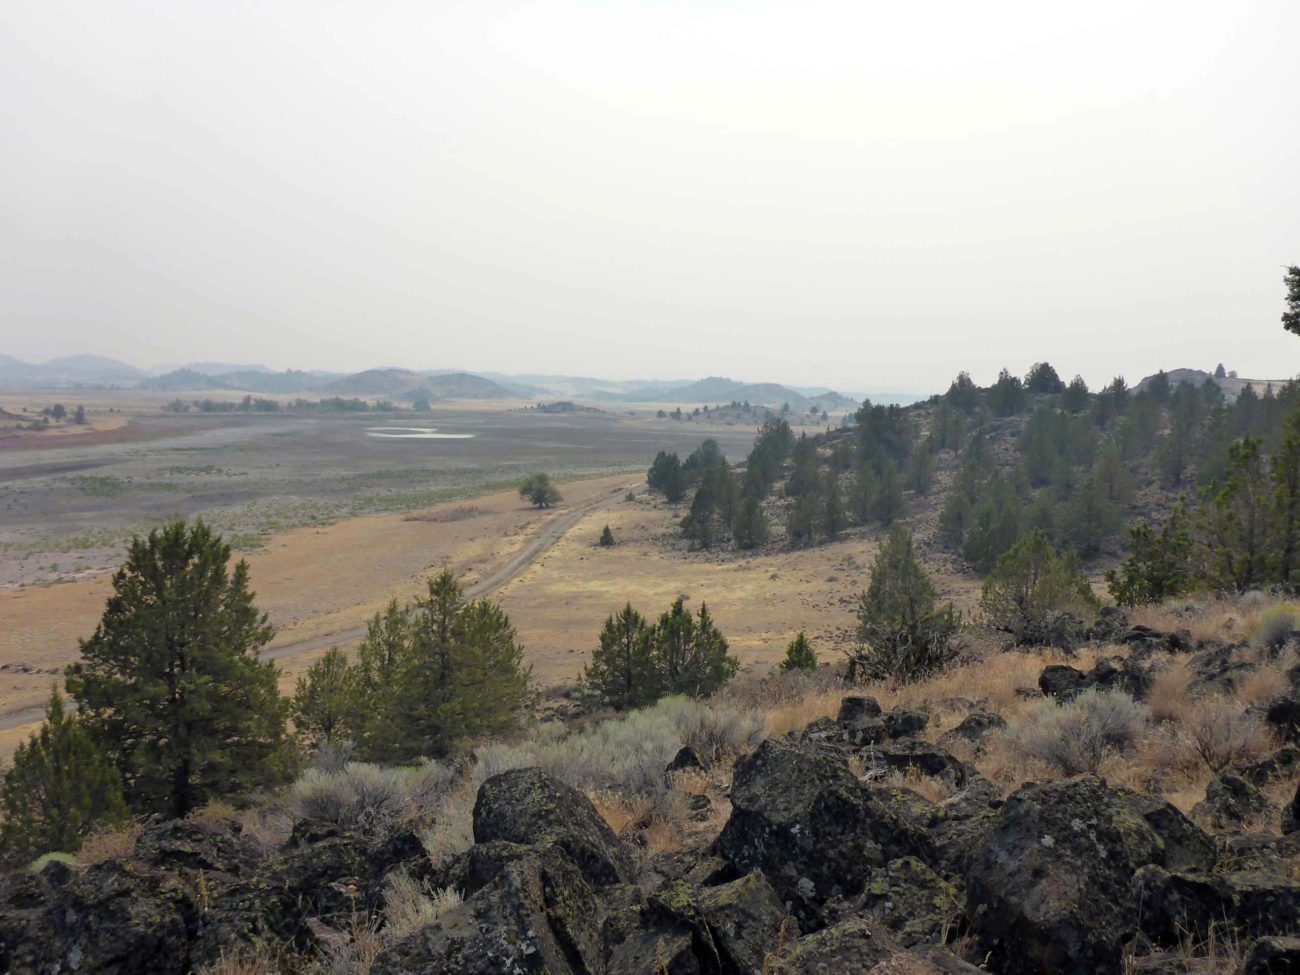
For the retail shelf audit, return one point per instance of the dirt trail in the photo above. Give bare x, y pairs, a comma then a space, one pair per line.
547, 536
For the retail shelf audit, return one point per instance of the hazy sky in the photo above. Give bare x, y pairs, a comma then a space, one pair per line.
865, 195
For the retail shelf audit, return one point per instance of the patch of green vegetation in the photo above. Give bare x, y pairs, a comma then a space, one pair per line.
99, 485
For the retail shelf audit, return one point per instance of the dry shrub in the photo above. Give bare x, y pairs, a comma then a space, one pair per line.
691, 781
409, 905
929, 787
661, 836
1262, 684
1077, 736
241, 965
353, 952
214, 811
268, 826
799, 714
459, 513
109, 844
1221, 733
369, 797
452, 831
1169, 698
1274, 627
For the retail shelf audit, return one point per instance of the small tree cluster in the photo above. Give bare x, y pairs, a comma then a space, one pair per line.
427, 675
638, 662
1037, 595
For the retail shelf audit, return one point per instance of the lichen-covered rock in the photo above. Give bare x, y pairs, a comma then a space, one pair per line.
537, 914
115, 919
905, 722
855, 709
974, 727
186, 844
853, 945
735, 926
1273, 956
1282, 764
1229, 802
1050, 889
913, 901
528, 806
1247, 903
800, 816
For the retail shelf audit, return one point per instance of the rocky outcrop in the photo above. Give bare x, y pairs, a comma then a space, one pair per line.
1050, 889
1230, 802
800, 816
1244, 904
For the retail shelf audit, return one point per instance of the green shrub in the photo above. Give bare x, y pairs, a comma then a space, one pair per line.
799, 655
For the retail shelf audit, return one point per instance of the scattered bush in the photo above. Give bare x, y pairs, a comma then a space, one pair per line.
1275, 628
368, 797
410, 906
1221, 732
1077, 736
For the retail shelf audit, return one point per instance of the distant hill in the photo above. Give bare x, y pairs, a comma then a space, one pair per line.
225, 368
249, 381
407, 385
1231, 385
73, 370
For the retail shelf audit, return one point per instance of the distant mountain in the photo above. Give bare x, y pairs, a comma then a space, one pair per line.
290, 381
224, 368
406, 385
514, 385
73, 370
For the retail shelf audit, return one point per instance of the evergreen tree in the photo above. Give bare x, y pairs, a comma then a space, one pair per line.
1091, 518
862, 493
902, 634
802, 520
889, 503
325, 704
832, 518
622, 672
79, 416
461, 675
1220, 372
170, 684
1036, 595
1291, 317
1075, 397
1233, 524
963, 394
1006, 397
661, 470
1043, 379
799, 655
750, 527
606, 538
57, 789
1158, 386
1158, 566
803, 478
920, 470
1286, 504
539, 490
690, 653
380, 657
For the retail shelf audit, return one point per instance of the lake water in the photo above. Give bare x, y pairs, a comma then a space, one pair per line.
414, 433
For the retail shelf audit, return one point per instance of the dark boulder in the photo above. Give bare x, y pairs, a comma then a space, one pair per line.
1291, 814
186, 844
684, 759
1118, 674
974, 727
1050, 889
1273, 956
115, 919
735, 926
537, 914
1062, 682
855, 709
1247, 903
530, 807
1219, 670
1252, 851
1283, 714
1229, 802
800, 816
917, 756
905, 722
1110, 625
1282, 764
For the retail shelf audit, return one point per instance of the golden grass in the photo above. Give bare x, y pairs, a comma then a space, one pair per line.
214, 811
109, 844
1169, 698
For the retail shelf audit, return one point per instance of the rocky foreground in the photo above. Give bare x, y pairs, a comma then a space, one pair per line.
817, 870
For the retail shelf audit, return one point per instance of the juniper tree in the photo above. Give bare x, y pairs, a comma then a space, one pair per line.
170, 684
901, 632
1233, 524
832, 518
1286, 503
799, 655
749, 529
325, 705
1075, 397
606, 538
1037, 595
1158, 566
1291, 317
690, 653
622, 672
539, 490
59, 787
802, 520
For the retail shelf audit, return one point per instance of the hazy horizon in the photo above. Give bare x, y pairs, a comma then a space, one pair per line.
813, 194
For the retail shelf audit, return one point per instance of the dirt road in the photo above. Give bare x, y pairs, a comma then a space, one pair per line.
548, 534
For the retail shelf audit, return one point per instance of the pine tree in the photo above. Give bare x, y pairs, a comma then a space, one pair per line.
750, 527
799, 655
833, 517
1158, 566
802, 520
1291, 317
79, 416
57, 789
1036, 595
902, 634
460, 676
170, 684
1286, 504
691, 654
606, 538
622, 672
1075, 397
325, 705
889, 503
1233, 524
